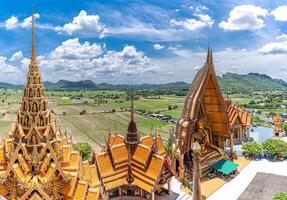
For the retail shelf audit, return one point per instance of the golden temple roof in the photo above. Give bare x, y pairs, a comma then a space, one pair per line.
235, 113
204, 100
133, 161
146, 165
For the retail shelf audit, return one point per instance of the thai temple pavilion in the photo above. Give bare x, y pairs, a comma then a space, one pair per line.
36, 160
278, 126
239, 121
134, 166
205, 120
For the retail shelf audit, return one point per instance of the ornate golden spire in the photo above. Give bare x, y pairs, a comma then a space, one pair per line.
33, 54
33, 111
132, 128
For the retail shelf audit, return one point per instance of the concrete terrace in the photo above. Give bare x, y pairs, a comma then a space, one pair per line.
233, 189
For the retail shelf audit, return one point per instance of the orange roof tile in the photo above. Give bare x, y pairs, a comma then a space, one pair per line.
141, 154
81, 190
86, 170
94, 176
119, 153
104, 164
93, 194
160, 147
147, 140
118, 139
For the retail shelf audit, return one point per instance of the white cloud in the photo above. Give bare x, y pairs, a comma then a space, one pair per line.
185, 53
11, 23
16, 56
73, 60
280, 13
28, 21
244, 17
72, 49
203, 21
9, 73
282, 37
158, 46
84, 24
274, 48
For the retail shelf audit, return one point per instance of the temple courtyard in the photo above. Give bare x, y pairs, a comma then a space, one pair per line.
250, 177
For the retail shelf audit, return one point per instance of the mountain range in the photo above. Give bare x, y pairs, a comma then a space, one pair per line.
229, 82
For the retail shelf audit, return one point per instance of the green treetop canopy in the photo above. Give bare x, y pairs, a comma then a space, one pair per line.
225, 166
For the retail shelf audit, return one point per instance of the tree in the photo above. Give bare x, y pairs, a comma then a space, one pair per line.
251, 148
276, 148
252, 102
85, 150
280, 196
285, 127
168, 147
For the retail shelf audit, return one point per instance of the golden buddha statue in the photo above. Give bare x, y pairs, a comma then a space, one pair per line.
202, 136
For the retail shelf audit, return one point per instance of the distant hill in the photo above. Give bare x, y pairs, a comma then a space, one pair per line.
250, 82
64, 84
230, 82
7, 85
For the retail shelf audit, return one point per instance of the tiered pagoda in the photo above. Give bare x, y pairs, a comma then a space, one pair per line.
37, 161
239, 121
205, 120
134, 166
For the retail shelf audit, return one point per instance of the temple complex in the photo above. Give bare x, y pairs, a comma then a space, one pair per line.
278, 126
239, 121
37, 160
134, 166
204, 120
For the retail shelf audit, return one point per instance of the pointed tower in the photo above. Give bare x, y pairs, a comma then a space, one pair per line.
33, 112
132, 136
37, 161
204, 120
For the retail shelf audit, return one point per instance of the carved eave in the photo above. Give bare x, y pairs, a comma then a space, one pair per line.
35, 189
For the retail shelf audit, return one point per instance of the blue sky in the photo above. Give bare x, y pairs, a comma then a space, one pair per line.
143, 41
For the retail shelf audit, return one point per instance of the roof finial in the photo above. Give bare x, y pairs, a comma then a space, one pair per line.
33, 54
132, 104
209, 58
155, 147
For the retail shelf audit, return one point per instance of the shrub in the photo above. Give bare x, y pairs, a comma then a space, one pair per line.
280, 196
83, 112
168, 147
275, 147
85, 150
251, 148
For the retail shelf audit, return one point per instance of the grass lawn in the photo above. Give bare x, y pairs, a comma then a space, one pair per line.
64, 102
174, 113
